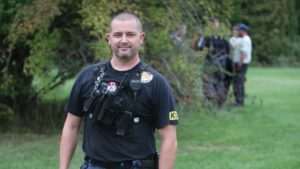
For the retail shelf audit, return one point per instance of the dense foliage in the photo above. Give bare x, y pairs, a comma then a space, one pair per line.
274, 28
45, 42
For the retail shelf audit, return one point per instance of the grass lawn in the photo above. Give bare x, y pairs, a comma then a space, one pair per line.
263, 135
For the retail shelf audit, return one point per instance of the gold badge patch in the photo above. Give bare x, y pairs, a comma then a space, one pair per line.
146, 77
173, 115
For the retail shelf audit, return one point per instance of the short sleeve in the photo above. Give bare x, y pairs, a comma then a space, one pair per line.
244, 47
74, 104
165, 106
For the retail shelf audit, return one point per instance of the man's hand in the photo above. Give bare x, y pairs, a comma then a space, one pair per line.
240, 64
238, 68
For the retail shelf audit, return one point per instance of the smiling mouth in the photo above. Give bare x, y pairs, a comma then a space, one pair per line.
124, 48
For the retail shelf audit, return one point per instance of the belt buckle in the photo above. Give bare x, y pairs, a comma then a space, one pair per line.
136, 164
128, 164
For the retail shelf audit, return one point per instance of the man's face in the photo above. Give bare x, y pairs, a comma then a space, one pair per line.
242, 33
125, 38
235, 32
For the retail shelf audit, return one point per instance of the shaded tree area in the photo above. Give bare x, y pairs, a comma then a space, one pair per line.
46, 42
42, 45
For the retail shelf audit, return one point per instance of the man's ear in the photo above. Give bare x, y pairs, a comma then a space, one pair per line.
107, 38
142, 36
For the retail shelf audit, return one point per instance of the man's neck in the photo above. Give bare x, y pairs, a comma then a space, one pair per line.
124, 64
244, 35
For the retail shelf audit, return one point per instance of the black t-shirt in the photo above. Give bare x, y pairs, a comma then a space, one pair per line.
154, 99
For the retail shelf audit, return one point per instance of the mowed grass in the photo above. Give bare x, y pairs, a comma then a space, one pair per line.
265, 134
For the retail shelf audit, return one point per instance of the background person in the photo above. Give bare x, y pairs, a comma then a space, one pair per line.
234, 54
215, 65
241, 62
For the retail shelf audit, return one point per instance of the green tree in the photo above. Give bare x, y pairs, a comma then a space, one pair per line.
273, 26
42, 46
45, 42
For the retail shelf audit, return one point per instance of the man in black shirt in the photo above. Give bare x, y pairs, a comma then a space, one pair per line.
122, 102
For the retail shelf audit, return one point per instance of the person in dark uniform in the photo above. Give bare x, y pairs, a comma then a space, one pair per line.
216, 68
122, 102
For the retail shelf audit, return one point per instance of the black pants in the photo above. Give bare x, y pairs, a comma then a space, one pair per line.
215, 80
239, 79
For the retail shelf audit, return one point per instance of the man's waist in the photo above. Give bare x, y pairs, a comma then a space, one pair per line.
148, 162
244, 62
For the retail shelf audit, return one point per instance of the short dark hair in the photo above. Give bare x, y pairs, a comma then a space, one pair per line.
244, 27
236, 26
123, 16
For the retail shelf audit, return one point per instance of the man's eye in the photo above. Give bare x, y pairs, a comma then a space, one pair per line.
130, 34
117, 35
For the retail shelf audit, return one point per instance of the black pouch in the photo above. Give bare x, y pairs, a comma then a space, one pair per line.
113, 111
123, 122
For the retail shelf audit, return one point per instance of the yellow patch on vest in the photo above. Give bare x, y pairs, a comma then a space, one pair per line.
146, 77
173, 115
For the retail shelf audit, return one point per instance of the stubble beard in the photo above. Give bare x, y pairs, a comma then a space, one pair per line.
130, 53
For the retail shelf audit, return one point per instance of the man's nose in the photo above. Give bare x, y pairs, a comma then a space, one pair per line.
124, 38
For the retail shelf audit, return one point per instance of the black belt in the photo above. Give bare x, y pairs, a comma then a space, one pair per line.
147, 163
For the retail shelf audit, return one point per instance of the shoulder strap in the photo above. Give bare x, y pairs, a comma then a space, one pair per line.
101, 73
143, 66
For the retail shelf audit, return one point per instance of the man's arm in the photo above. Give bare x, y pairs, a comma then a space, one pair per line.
69, 140
168, 146
242, 57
